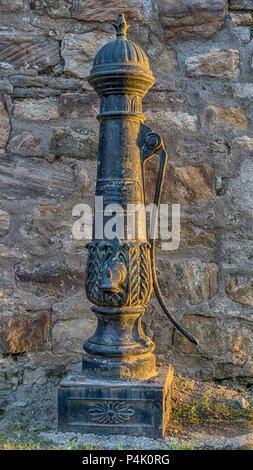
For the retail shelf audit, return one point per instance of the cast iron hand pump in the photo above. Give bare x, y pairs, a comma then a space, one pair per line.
120, 390
121, 272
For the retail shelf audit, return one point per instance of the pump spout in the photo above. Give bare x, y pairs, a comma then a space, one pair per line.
114, 277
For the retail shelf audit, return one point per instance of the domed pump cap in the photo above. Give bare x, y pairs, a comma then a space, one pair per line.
121, 66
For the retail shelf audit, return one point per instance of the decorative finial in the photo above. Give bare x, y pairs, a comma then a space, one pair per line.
121, 26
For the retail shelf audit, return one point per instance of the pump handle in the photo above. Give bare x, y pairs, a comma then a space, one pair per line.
153, 145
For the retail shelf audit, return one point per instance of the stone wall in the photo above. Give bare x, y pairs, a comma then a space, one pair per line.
201, 55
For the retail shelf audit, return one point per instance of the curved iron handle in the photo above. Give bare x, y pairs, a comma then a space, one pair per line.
153, 145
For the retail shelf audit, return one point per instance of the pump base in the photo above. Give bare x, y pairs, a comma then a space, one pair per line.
138, 408
133, 368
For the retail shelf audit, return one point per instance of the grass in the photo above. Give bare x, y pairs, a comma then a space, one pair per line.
72, 446
206, 405
23, 442
174, 445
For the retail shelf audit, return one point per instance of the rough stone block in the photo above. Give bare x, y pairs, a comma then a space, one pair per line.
165, 61
241, 188
79, 50
6, 86
28, 52
240, 289
192, 18
197, 282
69, 336
75, 105
23, 144
222, 340
241, 19
35, 178
216, 63
236, 245
243, 34
11, 251
21, 93
19, 335
36, 110
11, 5
194, 235
241, 4
175, 120
234, 117
10, 373
125, 407
183, 184
72, 307
243, 90
30, 81
50, 275
50, 226
77, 143
108, 10
53, 8
243, 143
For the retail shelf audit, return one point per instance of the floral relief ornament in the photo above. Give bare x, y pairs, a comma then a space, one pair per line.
111, 413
